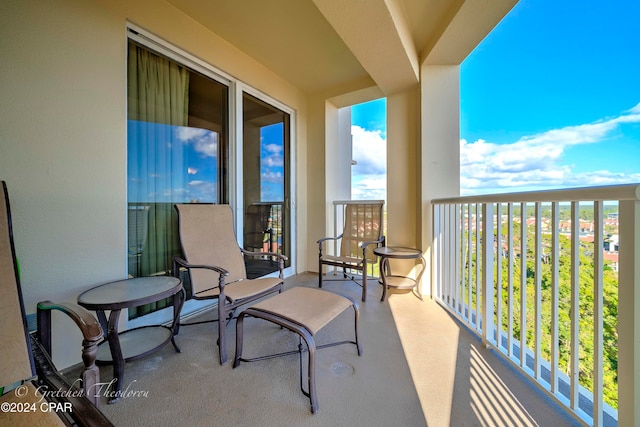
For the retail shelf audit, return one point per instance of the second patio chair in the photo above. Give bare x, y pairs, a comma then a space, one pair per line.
216, 265
361, 234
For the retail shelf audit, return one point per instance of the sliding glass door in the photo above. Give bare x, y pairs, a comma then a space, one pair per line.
177, 153
265, 183
180, 149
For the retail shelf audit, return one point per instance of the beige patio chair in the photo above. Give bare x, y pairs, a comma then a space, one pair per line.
216, 265
33, 391
361, 234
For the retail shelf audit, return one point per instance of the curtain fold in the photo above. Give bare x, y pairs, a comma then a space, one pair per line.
158, 108
158, 88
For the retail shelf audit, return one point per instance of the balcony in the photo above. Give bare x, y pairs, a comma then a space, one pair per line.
446, 360
69, 173
419, 367
563, 314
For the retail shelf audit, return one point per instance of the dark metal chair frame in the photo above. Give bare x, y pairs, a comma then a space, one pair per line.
357, 262
296, 325
83, 400
226, 306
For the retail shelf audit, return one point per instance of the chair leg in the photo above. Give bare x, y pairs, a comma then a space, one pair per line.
364, 287
222, 326
356, 321
320, 274
364, 278
311, 346
239, 339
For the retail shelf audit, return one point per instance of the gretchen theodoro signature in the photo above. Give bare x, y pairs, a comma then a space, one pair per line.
99, 389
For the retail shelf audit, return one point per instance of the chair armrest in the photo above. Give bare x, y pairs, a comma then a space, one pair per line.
177, 261
328, 238
281, 258
86, 322
84, 400
92, 334
363, 245
273, 254
181, 262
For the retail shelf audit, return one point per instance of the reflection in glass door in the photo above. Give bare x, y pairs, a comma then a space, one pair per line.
266, 184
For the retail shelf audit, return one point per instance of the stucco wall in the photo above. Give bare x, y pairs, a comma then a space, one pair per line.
63, 133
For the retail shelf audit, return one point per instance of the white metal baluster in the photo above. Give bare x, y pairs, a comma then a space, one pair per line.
452, 256
628, 309
446, 255
469, 266
435, 259
598, 329
487, 273
478, 277
458, 263
555, 301
575, 305
462, 258
538, 294
523, 285
499, 275
510, 280
440, 251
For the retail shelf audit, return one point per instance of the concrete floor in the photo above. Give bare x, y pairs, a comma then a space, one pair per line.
419, 367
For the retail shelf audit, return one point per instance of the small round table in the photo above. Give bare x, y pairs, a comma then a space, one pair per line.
138, 342
395, 281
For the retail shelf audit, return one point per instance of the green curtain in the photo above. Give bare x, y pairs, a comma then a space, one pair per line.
158, 107
158, 88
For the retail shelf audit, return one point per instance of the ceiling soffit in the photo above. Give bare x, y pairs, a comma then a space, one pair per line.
378, 35
289, 37
330, 46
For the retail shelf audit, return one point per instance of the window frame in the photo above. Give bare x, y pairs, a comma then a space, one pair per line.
235, 89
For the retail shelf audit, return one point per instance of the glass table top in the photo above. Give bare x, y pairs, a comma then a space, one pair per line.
129, 292
398, 252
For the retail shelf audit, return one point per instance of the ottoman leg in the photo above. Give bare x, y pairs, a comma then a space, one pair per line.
239, 333
311, 367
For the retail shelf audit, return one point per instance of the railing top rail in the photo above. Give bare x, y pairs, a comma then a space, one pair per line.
266, 203
609, 192
357, 202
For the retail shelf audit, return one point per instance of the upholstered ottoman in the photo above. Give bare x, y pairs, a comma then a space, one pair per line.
304, 311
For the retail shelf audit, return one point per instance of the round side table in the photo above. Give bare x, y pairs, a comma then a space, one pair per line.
396, 281
121, 347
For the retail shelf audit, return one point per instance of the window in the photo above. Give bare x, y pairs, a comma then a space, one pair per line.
180, 149
266, 131
177, 146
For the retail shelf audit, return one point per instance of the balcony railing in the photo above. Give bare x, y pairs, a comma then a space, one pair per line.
551, 280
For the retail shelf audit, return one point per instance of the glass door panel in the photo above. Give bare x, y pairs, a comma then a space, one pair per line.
266, 136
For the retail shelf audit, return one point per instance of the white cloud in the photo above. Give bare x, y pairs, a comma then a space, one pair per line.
369, 150
275, 160
634, 110
535, 162
204, 141
369, 174
273, 148
274, 177
370, 188
202, 191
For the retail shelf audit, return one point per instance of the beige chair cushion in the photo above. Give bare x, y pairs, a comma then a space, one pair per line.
14, 353
206, 234
362, 223
343, 259
243, 288
311, 308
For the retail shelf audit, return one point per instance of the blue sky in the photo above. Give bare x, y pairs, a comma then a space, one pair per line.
369, 136
550, 99
272, 163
